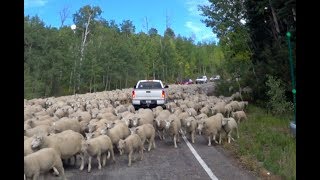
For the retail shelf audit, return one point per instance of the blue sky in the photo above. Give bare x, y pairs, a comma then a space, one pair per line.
183, 15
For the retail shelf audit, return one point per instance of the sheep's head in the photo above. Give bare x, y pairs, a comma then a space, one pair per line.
201, 124
37, 141
110, 125
121, 145
127, 121
104, 131
225, 121
89, 135
133, 130
135, 121
168, 123
92, 127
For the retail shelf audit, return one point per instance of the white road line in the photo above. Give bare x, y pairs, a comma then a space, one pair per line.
202, 163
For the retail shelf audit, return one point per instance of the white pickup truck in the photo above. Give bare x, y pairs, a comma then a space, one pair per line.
147, 93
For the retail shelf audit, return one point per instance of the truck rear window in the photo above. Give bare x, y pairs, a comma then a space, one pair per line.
149, 85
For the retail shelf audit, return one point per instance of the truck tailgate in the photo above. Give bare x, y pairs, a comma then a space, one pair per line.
148, 94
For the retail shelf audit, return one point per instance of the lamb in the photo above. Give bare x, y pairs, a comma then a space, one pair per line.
201, 116
235, 106
33, 123
145, 132
66, 143
43, 161
27, 146
120, 109
66, 124
228, 124
228, 110
173, 127
191, 126
205, 110
96, 147
219, 108
239, 116
131, 144
160, 123
243, 105
41, 128
117, 132
192, 112
143, 118
211, 127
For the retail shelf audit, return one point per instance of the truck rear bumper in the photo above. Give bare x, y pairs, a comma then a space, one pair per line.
148, 102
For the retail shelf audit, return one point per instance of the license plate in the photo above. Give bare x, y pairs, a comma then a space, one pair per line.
148, 101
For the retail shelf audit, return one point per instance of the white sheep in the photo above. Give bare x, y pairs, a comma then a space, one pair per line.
239, 116
96, 147
116, 132
43, 161
191, 126
66, 124
131, 144
27, 146
38, 129
211, 127
66, 143
160, 123
173, 128
145, 132
218, 108
229, 124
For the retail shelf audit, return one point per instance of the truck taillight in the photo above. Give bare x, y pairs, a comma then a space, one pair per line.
163, 94
133, 94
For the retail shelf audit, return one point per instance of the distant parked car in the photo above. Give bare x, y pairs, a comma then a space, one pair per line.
185, 81
201, 79
214, 78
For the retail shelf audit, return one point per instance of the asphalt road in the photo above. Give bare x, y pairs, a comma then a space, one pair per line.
165, 163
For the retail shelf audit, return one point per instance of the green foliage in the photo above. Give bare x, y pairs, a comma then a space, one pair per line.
277, 103
266, 142
114, 56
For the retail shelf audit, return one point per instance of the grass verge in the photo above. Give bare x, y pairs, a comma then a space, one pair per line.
265, 145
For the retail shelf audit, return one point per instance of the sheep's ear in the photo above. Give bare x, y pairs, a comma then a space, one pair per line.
136, 129
204, 123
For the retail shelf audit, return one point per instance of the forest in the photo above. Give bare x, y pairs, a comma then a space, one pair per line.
102, 54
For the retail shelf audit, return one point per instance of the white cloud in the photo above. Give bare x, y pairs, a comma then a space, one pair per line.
199, 32
34, 3
192, 6
192, 27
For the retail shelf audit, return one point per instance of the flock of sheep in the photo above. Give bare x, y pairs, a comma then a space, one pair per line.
93, 125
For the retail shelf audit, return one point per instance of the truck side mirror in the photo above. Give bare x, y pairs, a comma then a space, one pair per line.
166, 86
134, 87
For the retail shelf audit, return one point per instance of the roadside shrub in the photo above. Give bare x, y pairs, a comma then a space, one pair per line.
277, 103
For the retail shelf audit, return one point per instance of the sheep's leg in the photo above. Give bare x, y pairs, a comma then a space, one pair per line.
154, 143
82, 162
143, 141
89, 163
141, 154
108, 157
112, 155
104, 159
229, 137
129, 157
178, 137
159, 134
99, 160
60, 169
175, 141
75, 160
214, 138
55, 171
36, 176
150, 144
209, 139
237, 132
192, 136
